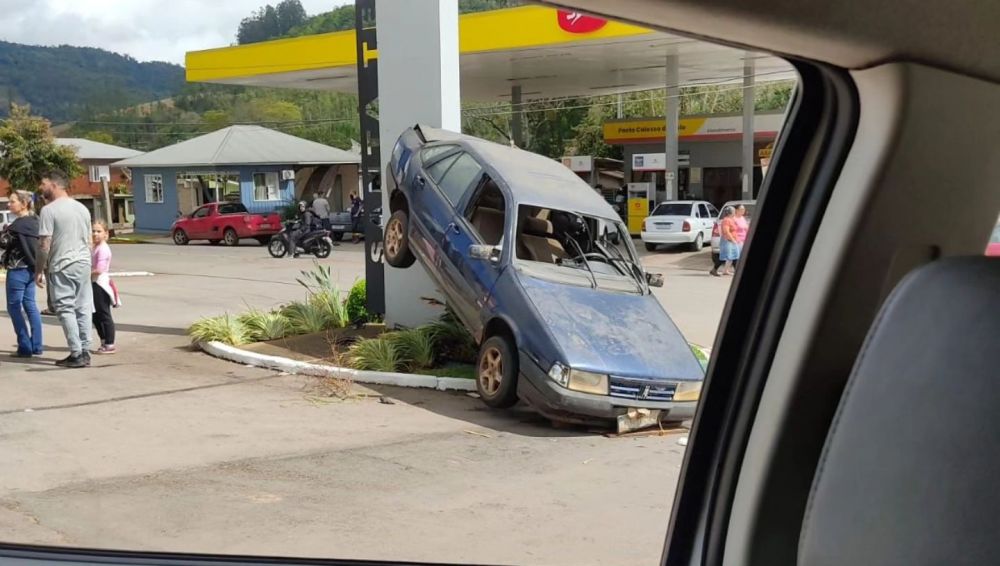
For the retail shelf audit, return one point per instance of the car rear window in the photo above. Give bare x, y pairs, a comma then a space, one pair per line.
233, 208
672, 209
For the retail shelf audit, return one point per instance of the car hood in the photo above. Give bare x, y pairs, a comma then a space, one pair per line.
622, 334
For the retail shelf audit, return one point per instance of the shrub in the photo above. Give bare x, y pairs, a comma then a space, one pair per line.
333, 308
416, 348
357, 304
318, 280
451, 340
376, 354
306, 318
264, 326
226, 329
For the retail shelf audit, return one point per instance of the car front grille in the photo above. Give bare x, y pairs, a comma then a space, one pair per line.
639, 389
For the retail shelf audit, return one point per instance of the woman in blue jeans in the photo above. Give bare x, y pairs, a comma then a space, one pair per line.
19, 242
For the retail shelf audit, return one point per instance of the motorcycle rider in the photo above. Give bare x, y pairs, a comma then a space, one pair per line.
308, 222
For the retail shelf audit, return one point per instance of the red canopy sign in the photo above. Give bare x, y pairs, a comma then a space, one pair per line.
577, 22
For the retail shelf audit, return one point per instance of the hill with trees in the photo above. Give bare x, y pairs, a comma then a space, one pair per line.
66, 83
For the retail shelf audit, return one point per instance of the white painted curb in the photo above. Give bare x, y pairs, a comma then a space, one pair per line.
132, 274
233, 354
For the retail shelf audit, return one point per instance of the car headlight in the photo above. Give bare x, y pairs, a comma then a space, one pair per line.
688, 391
559, 374
587, 382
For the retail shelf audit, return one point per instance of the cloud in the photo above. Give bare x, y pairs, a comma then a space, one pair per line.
149, 30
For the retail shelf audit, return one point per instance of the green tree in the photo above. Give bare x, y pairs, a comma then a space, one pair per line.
100, 137
29, 150
215, 119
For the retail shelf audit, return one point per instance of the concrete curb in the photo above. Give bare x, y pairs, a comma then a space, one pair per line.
132, 274
233, 354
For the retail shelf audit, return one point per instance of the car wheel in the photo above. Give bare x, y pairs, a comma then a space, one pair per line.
323, 249
337, 236
650, 247
276, 247
698, 243
230, 237
496, 373
181, 237
397, 240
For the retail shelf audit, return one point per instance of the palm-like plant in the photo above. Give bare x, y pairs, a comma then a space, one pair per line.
226, 329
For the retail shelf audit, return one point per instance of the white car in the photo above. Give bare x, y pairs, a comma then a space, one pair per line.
6, 217
750, 205
687, 222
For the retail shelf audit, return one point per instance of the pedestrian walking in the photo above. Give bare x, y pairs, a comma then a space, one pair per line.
19, 242
742, 226
103, 288
728, 247
357, 208
321, 208
64, 248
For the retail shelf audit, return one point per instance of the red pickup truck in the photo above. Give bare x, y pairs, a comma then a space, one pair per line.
226, 222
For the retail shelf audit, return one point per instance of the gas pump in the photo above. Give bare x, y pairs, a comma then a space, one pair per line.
639, 195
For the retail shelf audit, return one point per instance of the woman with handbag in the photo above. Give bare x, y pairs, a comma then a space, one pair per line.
20, 243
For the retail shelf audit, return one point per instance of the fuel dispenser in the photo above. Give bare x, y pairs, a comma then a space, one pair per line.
639, 196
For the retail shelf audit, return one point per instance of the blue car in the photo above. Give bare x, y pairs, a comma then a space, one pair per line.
542, 272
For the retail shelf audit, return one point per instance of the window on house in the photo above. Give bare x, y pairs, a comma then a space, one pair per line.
154, 188
266, 187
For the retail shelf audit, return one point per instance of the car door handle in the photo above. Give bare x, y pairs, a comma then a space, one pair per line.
420, 182
452, 229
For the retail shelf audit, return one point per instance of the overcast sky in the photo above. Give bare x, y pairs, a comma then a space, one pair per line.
149, 30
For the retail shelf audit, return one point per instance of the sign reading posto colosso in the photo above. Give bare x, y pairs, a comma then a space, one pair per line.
706, 128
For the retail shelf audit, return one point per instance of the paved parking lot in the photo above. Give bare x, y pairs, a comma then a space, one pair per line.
162, 448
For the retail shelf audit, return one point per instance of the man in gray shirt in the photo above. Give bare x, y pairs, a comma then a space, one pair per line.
321, 208
64, 251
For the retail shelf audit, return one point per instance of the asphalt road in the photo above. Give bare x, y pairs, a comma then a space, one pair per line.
161, 448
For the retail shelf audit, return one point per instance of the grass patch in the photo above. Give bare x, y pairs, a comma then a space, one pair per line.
265, 326
305, 318
416, 348
226, 329
463, 371
376, 354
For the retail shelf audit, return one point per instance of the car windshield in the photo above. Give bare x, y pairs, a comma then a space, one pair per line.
672, 209
578, 249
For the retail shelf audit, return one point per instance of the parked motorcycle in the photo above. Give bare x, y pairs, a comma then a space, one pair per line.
317, 242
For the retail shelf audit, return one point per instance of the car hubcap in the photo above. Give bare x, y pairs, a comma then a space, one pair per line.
491, 371
393, 237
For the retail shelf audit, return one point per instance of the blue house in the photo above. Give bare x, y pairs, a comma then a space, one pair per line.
262, 168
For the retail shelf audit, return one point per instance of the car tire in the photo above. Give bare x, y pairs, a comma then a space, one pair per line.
698, 243
181, 238
337, 236
497, 372
396, 241
230, 237
650, 247
263, 240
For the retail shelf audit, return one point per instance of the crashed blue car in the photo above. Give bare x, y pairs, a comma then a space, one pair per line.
542, 272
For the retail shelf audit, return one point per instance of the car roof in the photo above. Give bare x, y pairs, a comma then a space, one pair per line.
532, 179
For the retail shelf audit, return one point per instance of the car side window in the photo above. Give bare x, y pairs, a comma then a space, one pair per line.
704, 211
487, 213
458, 178
436, 171
713, 212
428, 154
201, 212
695, 212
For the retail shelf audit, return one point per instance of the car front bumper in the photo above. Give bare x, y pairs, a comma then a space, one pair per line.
556, 402
668, 237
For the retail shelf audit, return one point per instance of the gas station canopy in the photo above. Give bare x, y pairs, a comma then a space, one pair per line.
548, 53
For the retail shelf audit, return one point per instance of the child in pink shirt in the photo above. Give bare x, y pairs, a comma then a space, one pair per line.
105, 295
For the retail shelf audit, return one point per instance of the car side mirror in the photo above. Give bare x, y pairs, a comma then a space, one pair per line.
654, 279
482, 251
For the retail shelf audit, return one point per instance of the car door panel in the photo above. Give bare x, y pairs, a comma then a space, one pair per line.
470, 281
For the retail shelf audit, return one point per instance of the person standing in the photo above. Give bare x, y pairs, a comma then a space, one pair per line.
742, 226
105, 293
728, 248
321, 208
357, 208
20, 243
64, 249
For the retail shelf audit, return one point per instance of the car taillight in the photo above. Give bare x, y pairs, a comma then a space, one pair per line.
715, 230
687, 226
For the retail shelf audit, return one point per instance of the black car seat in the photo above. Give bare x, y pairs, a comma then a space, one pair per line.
907, 473
537, 243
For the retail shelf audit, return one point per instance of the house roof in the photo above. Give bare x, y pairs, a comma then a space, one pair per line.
88, 149
242, 145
